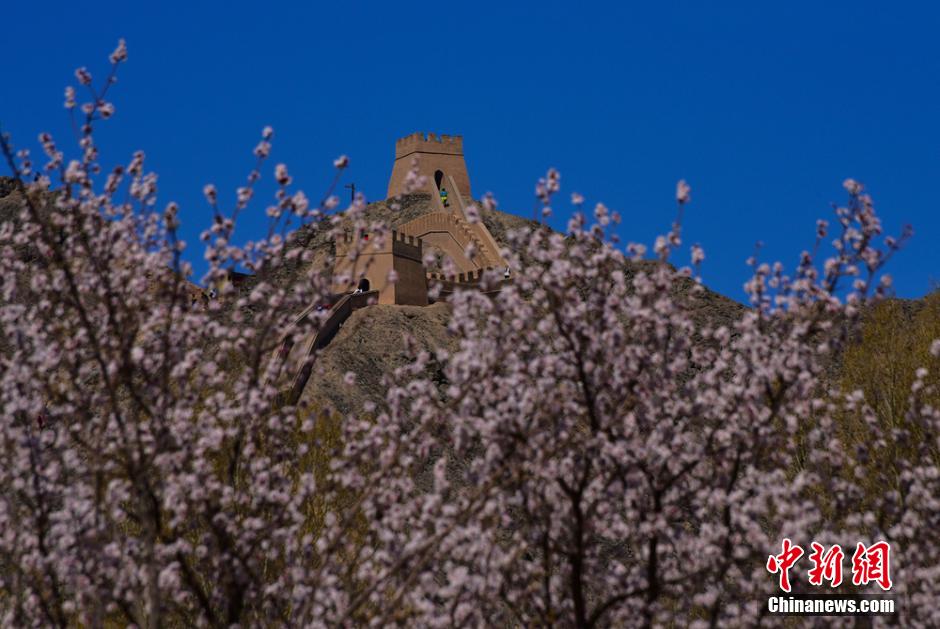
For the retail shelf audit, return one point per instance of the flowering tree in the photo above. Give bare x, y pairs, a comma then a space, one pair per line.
597, 455
601, 459
151, 475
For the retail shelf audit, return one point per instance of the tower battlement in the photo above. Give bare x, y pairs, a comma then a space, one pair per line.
395, 242
423, 142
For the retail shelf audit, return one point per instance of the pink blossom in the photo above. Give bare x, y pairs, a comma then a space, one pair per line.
683, 192
83, 76
263, 149
851, 186
243, 195
120, 53
74, 173
280, 174
489, 202
300, 203
210, 193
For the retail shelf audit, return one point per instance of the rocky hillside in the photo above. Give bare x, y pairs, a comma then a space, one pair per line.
371, 344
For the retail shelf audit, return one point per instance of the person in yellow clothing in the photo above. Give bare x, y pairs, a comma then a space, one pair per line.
444, 196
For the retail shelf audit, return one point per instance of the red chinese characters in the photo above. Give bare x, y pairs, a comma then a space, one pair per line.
783, 562
872, 564
869, 564
826, 566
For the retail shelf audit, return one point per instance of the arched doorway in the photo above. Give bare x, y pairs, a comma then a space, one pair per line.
439, 178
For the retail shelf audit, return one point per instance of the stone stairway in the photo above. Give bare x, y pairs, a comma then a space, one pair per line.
298, 358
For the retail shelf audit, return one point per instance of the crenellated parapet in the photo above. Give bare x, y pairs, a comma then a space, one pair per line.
423, 142
470, 277
371, 243
445, 284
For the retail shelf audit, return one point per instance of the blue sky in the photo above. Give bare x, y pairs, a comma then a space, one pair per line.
763, 107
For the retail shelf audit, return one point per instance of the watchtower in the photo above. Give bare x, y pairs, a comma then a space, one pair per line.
439, 157
370, 259
376, 258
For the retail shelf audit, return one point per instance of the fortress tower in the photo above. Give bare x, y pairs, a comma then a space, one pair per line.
398, 251
439, 158
365, 264
443, 232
